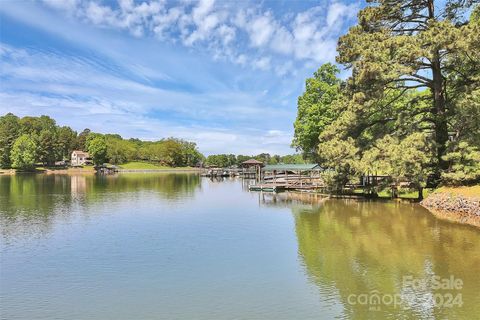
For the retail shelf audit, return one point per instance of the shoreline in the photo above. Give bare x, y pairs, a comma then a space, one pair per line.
73, 171
160, 170
461, 205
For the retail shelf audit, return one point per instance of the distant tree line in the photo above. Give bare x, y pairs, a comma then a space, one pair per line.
229, 160
28, 141
411, 107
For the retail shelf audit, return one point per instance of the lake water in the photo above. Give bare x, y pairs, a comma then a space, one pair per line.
177, 246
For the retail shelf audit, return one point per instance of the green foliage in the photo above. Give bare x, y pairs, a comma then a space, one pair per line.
413, 92
191, 156
475, 16
316, 109
292, 159
221, 160
403, 46
228, 160
341, 158
464, 165
413, 158
118, 150
408, 159
170, 152
81, 143
47, 146
97, 148
9, 132
23, 154
55, 143
66, 142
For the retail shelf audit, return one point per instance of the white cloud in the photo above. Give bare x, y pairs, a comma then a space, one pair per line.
260, 29
66, 5
227, 34
165, 21
105, 117
204, 20
132, 84
338, 11
282, 41
99, 14
262, 63
241, 59
32, 73
224, 27
283, 69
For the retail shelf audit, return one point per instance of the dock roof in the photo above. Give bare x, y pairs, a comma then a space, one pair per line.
291, 167
252, 161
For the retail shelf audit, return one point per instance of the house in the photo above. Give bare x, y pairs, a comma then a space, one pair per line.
80, 158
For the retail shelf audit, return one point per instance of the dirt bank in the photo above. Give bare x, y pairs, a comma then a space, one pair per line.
72, 171
7, 172
456, 204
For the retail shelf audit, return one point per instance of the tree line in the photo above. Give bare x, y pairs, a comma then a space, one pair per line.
29, 141
410, 108
229, 160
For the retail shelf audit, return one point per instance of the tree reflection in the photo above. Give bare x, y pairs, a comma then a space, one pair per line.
350, 247
32, 201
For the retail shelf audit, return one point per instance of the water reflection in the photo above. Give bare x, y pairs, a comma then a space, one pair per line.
350, 248
32, 201
174, 246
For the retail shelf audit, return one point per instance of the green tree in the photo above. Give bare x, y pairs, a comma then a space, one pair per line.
171, 152
34, 125
406, 45
119, 150
242, 158
23, 153
30, 125
408, 159
192, 157
316, 109
464, 165
47, 146
292, 159
66, 142
9, 132
340, 158
97, 148
81, 143
218, 160
263, 157
475, 16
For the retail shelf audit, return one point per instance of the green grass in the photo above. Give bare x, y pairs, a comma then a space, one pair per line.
405, 193
402, 193
138, 165
473, 191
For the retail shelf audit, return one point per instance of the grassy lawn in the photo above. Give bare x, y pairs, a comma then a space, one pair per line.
138, 165
402, 193
473, 191
405, 193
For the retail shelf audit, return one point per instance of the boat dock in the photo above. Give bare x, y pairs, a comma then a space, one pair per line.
276, 178
266, 187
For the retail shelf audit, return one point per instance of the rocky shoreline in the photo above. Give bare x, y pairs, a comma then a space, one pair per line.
454, 206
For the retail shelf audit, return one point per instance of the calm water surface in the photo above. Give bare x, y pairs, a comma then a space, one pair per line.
176, 246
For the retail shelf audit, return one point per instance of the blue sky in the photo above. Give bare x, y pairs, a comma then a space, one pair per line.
224, 74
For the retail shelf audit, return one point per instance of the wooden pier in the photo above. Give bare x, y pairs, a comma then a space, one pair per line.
275, 178
106, 169
266, 187
220, 172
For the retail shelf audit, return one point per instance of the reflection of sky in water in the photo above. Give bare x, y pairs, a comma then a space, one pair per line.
178, 246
